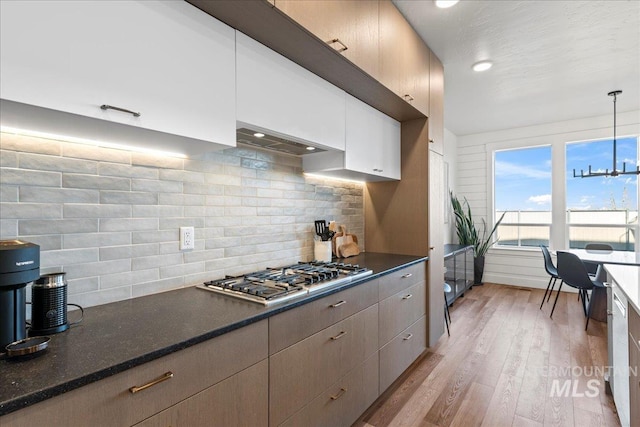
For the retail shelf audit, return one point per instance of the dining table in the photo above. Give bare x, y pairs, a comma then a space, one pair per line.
601, 257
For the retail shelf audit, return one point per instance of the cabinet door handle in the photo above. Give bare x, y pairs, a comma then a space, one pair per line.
163, 377
338, 304
342, 49
408, 337
431, 140
340, 335
377, 170
408, 98
340, 393
406, 276
609, 313
123, 110
408, 296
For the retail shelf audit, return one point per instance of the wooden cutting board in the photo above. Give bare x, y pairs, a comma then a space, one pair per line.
344, 239
348, 249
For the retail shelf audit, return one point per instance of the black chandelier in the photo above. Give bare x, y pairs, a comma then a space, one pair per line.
614, 171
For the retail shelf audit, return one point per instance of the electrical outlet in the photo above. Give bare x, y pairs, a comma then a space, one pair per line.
187, 238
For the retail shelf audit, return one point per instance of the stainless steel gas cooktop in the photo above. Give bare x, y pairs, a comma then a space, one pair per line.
275, 285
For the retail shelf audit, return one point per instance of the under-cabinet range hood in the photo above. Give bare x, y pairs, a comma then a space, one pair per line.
271, 141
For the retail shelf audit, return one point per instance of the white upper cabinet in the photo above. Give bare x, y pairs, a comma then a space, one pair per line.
372, 151
167, 60
277, 95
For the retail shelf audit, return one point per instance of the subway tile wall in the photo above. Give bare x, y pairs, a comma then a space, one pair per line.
110, 218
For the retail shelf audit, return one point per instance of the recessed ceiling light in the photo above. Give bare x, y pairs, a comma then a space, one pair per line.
443, 4
482, 66
258, 135
311, 148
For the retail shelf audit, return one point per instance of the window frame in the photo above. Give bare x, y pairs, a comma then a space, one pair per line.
559, 229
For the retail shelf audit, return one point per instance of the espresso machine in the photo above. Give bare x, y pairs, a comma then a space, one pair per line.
19, 266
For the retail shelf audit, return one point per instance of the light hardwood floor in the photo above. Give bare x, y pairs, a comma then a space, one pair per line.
505, 365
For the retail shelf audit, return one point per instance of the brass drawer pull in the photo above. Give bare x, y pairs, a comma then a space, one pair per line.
408, 337
342, 49
340, 335
406, 276
158, 380
123, 110
408, 98
338, 304
408, 296
339, 395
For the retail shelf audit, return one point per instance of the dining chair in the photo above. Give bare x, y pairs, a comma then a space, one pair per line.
552, 271
447, 289
573, 272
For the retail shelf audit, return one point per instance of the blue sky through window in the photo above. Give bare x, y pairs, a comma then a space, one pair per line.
602, 193
523, 179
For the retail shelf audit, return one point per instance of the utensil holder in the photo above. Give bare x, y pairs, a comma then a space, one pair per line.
322, 250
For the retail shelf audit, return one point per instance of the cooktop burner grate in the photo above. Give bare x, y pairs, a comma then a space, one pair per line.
275, 285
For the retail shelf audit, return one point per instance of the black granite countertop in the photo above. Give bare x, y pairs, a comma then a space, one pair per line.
120, 335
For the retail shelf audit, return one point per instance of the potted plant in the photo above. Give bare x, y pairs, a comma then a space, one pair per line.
469, 235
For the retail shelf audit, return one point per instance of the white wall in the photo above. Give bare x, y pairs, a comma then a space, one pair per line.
109, 218
521, 267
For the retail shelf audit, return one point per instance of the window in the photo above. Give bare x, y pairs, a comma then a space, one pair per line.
602, 209
529, 182
522, 189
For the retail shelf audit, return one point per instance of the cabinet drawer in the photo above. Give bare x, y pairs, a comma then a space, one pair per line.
396, 356
634, 324
240, 400
110, 403
301, 372
291, 326
393, 283
344, 401
399, 311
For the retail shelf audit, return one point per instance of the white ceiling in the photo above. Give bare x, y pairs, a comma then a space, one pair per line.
553, 60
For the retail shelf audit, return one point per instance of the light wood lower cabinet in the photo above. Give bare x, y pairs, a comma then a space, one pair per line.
401, 310
344, 401
326, 373
396, 281
400, 352
110, 402
299, 373
241, 400
292, 326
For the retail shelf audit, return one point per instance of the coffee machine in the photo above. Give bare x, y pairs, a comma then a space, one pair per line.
19, 265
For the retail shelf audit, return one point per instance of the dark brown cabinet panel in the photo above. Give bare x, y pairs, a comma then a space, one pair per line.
436, 105
404, 58
349, 26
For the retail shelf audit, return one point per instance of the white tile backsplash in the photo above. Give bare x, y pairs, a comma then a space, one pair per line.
110, 218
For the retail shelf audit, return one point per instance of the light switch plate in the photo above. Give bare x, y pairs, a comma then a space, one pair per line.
187, 238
